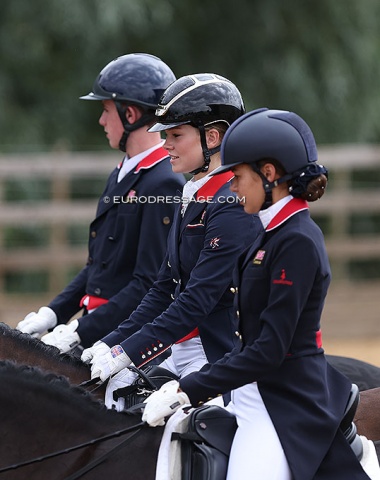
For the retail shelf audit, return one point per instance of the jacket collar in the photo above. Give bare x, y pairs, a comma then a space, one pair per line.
152, 159
292, 207
212, 186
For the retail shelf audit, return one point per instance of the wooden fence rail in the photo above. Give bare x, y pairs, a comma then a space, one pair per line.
61, 211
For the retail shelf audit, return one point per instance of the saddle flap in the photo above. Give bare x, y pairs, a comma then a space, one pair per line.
213, 425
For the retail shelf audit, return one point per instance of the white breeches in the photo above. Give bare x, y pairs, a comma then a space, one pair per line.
256, 450
186, 357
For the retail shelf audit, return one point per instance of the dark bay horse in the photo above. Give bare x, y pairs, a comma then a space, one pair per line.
26, 350
44, 420
42, 413
367, 418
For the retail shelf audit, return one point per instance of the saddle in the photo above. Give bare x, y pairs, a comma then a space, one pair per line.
206, 445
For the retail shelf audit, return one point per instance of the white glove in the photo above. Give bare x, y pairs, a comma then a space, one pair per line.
37, 323
98, 349
122, 379
112, 362
63, 337
163, 403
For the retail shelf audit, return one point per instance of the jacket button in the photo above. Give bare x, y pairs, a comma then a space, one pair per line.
97, 291
169, 264
172, 296
175, 281
90, 260
233, 289
166, 220
93, 234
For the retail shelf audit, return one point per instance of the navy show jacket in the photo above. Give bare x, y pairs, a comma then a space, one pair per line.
281, 283
193, 287
127, 243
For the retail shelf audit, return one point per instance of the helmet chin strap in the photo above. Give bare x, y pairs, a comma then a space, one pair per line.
268, 186
207, 152
128, 127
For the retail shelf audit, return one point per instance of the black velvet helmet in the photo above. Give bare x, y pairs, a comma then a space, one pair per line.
133, 79
263, 133
272, 134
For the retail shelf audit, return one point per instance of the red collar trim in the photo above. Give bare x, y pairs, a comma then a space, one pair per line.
212, 186
291, 208
152, 159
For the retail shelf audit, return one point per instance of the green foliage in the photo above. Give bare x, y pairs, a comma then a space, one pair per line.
319, 58
31, 282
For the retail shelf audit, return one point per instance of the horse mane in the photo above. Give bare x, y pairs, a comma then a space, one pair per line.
11, 369
28, 341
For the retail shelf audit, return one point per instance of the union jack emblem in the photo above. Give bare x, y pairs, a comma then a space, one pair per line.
259, 257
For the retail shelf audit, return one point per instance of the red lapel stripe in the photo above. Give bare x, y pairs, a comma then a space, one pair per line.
291, 208
212, 186
152, 159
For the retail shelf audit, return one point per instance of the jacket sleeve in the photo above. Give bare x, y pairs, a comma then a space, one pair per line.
66, 304
151, 251
157, 300
227, 229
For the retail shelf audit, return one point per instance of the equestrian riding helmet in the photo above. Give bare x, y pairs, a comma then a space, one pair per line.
137, 78
133, 79
199, 100
263, 134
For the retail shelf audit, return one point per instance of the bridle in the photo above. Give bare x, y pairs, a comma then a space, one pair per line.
135, 429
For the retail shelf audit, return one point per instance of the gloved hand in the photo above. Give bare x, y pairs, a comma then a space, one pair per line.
122, 379
37, 323
163, 403
97, 350
63, 337
112, 362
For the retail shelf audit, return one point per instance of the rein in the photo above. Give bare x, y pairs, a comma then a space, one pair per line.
138, 427
89, 383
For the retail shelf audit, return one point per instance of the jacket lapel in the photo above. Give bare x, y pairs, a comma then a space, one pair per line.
119, 190
129, 181
291, 208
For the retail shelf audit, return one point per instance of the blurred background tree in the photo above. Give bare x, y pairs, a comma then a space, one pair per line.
317, 57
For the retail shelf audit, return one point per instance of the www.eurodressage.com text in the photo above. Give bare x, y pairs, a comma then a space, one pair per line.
172, 199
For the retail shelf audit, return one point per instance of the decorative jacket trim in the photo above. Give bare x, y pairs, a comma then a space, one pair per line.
212, 186
291, 208
152, 159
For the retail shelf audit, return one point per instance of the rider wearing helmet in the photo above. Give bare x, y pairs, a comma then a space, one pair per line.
190, 306
289, 402
134, 79
123, 260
